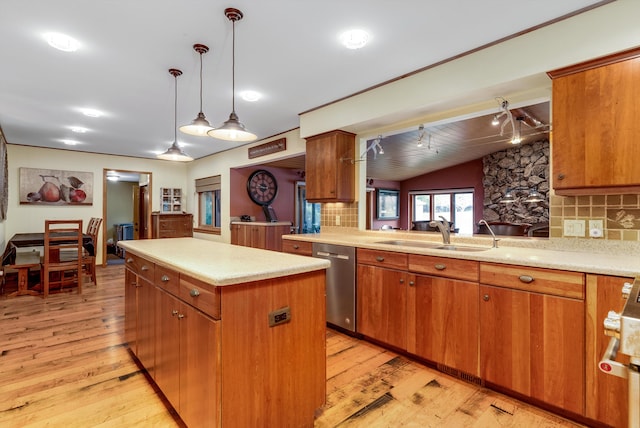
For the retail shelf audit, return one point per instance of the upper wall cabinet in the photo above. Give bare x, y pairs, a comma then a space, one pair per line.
596, 112
330, 170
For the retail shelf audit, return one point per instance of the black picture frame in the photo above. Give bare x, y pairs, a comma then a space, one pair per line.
269, 213
388, 206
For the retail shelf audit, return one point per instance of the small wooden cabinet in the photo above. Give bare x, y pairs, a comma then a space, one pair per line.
330, 168
532, 324
267, 236
595, 126
171, 225
170, 200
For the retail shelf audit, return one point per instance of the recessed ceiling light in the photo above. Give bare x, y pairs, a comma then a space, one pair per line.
62, 42
79, 129
354, 39
91, 112
250, 96
70, 142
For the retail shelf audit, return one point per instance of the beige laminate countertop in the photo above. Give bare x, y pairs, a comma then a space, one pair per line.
581, 255
221, 264
264, 223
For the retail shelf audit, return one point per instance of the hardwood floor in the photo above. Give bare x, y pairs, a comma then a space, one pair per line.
63, 363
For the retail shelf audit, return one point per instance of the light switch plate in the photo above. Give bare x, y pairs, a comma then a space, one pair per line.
574, 228
596, 229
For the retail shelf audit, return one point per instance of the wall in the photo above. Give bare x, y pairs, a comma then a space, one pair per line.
30, 218
119, 206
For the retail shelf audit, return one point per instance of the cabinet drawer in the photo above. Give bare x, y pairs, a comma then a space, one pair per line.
168, 279
140, 266
537, 280
200, 295
443, 266
302, 248
382, 258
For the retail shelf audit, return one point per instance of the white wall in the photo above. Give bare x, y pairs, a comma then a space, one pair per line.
30, 218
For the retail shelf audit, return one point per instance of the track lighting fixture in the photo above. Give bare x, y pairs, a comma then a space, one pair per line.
421, 135
174, 152
200, 125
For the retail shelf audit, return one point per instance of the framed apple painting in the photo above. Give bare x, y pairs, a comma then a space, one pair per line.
55, 187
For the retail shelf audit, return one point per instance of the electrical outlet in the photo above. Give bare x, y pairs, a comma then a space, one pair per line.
574, 228
337, 220
596, 228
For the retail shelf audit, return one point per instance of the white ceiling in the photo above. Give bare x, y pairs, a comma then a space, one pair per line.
286, 49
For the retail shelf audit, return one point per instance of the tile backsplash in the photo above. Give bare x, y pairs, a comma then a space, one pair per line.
340, 214
620, 214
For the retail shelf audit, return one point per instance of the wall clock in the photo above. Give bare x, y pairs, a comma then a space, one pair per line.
262, 187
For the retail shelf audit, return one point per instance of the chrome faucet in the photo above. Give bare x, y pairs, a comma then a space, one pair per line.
445, 228
495, 240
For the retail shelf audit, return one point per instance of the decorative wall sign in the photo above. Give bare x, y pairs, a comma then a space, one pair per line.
274, 146
55, 187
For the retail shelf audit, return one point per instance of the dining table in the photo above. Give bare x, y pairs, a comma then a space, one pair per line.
26, 240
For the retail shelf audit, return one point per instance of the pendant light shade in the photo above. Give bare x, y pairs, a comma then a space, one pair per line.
200, 125
175, 153
233, 129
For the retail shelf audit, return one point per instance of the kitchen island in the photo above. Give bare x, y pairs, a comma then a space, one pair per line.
232, 336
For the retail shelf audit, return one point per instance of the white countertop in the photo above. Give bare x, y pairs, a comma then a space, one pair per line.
221, 264
586, 256
264, 223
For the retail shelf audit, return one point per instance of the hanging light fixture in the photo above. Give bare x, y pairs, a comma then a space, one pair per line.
508, 197
233, 129
200, 125
534, 196
421, 134
175, 153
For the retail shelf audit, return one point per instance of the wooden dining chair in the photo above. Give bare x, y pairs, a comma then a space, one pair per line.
62, 261
88, 260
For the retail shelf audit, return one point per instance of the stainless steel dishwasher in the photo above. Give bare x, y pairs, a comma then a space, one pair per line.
341, 284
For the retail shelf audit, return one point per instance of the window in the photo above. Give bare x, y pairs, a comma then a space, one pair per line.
208, 190
455, 206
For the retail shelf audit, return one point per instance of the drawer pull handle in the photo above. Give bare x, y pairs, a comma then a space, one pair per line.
485, 297
144, 268
180, 316
526, 279
165, 278
379, 259
130, 260
194, 292
440, 266
411, 283
295, 247
401, 281
174, 313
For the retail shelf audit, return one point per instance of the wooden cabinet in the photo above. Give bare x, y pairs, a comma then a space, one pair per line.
330, 168
302, 248
267, 236
171, 225
442, 312
531, 336
606, 395
595, 126
170, 200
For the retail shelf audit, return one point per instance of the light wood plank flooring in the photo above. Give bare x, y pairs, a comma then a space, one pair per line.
63, 363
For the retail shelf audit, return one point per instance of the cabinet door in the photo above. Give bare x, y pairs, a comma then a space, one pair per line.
382, 303
607, 395
131, 310
200, 369
533, 344
595, 127
146, 324
257, 237
330, 172
167, 372
442, 321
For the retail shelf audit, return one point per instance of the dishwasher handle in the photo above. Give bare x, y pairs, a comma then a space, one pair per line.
332, 255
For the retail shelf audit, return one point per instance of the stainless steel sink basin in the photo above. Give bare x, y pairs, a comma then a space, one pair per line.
433, 245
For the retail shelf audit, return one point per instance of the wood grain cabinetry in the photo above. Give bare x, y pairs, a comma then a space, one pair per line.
330, 168
266, 236
595, 126
302, 248
172, 225
606, 395
531, 337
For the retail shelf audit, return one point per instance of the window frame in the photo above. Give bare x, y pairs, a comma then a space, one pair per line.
431, 193
203, 185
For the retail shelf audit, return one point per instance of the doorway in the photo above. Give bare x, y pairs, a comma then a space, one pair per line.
307, 218
126, 210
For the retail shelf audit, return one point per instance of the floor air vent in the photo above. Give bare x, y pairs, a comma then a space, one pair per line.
459, 374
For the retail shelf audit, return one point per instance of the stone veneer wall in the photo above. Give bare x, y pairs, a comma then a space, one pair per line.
521, 167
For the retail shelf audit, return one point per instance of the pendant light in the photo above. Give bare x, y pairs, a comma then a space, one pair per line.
233, 129
200, 125
175, 153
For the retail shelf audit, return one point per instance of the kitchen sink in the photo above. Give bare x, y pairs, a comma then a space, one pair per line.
433, 245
